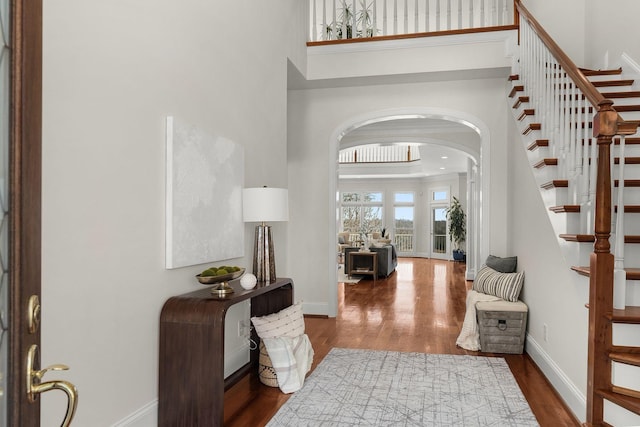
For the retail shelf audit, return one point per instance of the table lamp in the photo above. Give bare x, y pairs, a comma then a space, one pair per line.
263, 205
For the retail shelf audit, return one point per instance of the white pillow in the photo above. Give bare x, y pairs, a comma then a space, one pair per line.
288, 322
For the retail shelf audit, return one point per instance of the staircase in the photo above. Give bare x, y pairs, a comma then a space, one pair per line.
580, 129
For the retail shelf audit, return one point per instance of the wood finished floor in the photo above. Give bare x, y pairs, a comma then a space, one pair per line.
418, 308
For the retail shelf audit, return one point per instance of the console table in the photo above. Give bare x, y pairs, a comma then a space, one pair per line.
191, 381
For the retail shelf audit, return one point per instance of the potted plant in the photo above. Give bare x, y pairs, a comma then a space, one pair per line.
457, 228
344, 23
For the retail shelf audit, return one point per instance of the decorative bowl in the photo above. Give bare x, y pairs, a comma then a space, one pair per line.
210, 280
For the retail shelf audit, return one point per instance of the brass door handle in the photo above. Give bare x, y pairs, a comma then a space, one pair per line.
35, 386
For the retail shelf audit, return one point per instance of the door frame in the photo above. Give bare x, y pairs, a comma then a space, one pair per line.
25, 188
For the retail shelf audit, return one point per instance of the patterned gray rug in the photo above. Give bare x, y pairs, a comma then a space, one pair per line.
387, 388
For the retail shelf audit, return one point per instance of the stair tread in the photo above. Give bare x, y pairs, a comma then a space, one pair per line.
627, 358
622, 94
628, 238
630, 403
520, 100
628, 182
565, 209
556, 183
609, 72
547, 162
526, 112
630, 314
532, 127
578, 237
610, 83
629, 208
626, 108
516, 89
633, 273
627, 141
538, 143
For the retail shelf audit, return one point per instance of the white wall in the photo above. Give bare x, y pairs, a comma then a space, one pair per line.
612, 31
555, 295
315, 114
112, 72
565, 21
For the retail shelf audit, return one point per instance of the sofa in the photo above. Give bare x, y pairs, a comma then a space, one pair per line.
387, 259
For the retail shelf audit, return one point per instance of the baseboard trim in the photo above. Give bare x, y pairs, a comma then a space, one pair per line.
572, 396
315, 308
147, 416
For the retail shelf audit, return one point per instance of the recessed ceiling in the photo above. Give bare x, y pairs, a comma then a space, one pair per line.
445, 147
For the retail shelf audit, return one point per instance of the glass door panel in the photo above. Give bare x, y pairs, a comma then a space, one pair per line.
439, 233
403, 229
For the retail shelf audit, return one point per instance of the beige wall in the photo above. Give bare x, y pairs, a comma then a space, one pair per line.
112, 72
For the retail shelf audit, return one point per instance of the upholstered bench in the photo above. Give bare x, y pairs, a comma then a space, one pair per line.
502, 326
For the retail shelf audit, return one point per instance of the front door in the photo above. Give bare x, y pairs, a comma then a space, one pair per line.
20, 212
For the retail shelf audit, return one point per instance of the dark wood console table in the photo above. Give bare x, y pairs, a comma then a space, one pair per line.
191, 381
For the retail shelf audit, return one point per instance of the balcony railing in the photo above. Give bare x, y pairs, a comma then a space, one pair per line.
356, 19
403, 242
379, 154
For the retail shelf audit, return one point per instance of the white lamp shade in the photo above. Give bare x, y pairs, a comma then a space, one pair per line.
265, 204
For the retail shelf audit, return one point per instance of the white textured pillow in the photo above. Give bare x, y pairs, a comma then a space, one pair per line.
502, 285
288, 322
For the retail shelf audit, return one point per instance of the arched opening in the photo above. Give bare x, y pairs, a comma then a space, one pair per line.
422, 127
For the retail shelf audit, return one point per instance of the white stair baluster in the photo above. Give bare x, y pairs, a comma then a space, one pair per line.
416, 17
427, 24
437, 15
395, 17
619, 274
384, 17
374, 21
354, 22
507, 14
406, 17
471, 14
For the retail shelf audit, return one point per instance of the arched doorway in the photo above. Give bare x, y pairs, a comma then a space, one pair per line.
421, 126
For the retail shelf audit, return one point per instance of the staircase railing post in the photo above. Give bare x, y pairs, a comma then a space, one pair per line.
601, 267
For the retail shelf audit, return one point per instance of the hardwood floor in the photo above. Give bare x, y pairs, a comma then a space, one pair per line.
419, 308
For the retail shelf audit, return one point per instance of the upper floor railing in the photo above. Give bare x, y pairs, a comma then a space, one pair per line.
332, 20
379, 154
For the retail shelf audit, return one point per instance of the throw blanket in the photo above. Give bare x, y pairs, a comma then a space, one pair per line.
469, 337
291, 359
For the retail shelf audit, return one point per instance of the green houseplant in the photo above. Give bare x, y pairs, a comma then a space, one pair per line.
457, 228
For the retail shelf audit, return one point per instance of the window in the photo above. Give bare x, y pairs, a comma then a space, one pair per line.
440, 196
403, 224
362, 211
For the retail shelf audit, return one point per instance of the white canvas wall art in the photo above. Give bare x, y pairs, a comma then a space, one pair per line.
205, 176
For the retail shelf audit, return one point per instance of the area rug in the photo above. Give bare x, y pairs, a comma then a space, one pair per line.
387, 388
345, 278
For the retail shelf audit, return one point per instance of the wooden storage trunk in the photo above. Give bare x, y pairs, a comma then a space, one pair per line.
502, 326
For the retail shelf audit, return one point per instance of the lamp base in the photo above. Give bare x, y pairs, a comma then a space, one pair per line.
264, 263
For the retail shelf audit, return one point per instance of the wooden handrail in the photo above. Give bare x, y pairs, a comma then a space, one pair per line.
414, 35
589, 90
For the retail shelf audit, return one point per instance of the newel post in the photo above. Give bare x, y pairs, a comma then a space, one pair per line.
601, 270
